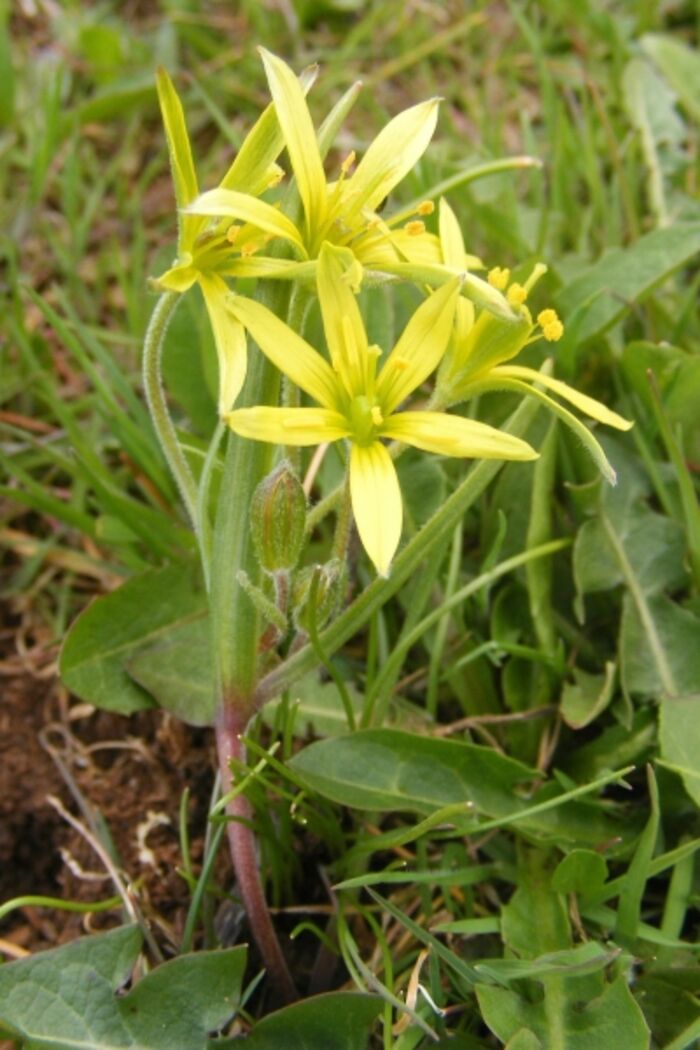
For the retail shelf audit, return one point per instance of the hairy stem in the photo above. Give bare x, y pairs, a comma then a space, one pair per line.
229, 727
158, 406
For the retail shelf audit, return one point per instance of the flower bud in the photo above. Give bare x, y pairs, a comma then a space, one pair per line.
278, 519
329, 593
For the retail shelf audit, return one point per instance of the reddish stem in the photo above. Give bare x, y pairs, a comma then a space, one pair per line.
230, 725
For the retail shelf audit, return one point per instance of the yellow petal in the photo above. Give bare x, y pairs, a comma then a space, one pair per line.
376, 502
451, 240
255, 160
342, 321
234, 205
178, 278
184, 175
299, 136
383, 244
390, 157
229, 336
476, 289
454, 436
420, 348
180, 151
288, 426
287, 350
495, 380
586, 404
265, 266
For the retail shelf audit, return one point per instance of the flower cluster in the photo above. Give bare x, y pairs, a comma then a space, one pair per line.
466, 331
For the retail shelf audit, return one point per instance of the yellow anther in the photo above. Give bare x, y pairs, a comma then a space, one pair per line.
545, 317
415, 228
249, 249
553, 330
275, 178
377, 417
348, 162
232, 233
516, 294
425, 208
498, 277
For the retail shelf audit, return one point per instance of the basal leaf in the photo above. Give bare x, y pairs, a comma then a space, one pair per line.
595, 300
336, 1021
385, 769
176, 669
108, 634
679, 739
680, 64
659, 648
613, 1019
65, 998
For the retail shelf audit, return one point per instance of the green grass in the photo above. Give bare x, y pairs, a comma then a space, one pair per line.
578, 665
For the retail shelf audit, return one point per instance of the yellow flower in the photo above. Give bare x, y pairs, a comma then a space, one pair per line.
344, 212
360, 403
202, 253
475, 361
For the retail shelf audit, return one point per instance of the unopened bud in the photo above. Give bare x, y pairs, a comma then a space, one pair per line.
278, 519
315, 603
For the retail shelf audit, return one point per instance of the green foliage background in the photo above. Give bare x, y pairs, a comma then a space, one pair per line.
525, 802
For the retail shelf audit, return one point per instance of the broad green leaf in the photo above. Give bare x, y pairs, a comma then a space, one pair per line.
386, 769
587, 696
679, 738
680, 64
595, 300
677, 377
423, 485
651, 109
581, 871
111, 630
659, 648
535, 927
177, 670
651, 544
336, 1021
612, 1019
65, 998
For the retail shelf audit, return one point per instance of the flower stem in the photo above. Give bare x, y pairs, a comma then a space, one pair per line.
158, 406
229, 728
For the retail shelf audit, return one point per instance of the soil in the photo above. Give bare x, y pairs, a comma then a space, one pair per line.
129, 773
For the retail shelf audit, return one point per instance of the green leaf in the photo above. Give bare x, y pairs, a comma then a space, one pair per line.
108, 634
581, 871
612, 1019
679, 739
423, 486
584, 959
336, 1021
587, 696
595, 300
680, 65
65, 998
391, 770
659, 648
177, 670
653, 545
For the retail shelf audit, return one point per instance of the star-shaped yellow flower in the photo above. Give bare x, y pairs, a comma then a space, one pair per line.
482, 345
203, 252
344, 212
361, 404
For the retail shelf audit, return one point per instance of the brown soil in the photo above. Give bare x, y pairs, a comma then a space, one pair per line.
129, 773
